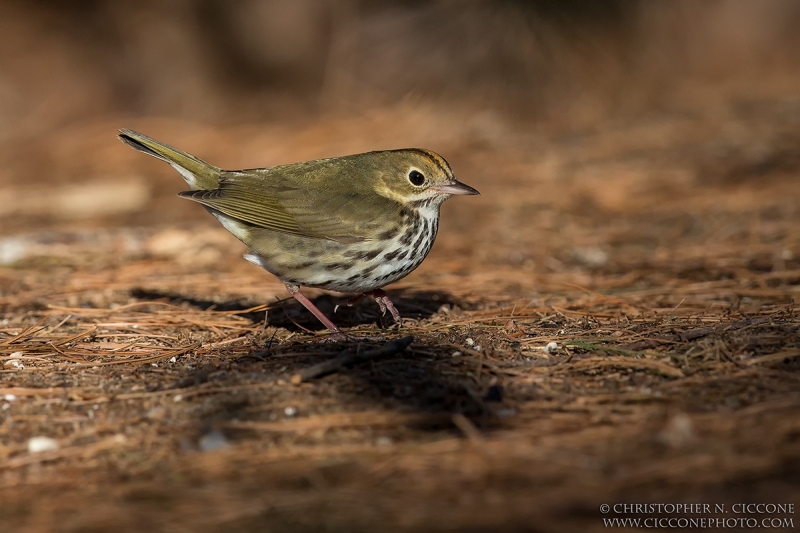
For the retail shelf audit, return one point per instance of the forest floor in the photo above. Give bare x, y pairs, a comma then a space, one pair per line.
660, 253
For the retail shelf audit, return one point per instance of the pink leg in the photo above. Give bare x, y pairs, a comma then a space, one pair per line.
294, 290
385, 303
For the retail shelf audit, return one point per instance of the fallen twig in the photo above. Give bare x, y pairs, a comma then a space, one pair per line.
625, 362
773, 357
351, 358
696, 333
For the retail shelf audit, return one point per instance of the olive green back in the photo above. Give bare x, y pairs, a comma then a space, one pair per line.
332, 199
341, 199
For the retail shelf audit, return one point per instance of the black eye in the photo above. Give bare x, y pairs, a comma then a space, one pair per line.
416, 178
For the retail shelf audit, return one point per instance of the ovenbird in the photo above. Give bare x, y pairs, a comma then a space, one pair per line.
350, 224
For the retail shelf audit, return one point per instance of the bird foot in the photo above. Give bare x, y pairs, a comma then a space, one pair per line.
336, 334
383, 301
386, 304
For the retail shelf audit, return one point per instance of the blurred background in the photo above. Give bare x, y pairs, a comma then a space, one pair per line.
622, 104
222, 62
639, 164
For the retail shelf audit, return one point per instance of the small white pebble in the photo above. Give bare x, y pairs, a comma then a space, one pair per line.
156, 413
456, 354
154, 365
177, 398
478, 347
212, 441
10, 397
290, 411
173, 359
470, 341
678, 432
5, 406
16, 364
552, 347
383, 441
16, 354
42, 444
135, 326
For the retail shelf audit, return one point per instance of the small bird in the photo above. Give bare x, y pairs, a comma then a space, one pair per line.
351, 224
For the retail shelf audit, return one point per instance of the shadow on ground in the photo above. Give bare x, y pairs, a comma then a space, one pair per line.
290, 314
411, 381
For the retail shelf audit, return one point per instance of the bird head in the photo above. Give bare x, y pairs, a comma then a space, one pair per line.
416, 175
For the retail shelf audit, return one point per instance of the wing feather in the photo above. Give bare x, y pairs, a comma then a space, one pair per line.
314, 199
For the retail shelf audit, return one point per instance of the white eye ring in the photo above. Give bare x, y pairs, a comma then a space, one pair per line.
416, 178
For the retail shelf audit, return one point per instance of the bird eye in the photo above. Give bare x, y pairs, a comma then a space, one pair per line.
416, 178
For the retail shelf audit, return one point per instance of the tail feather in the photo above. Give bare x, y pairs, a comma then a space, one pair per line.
197, 173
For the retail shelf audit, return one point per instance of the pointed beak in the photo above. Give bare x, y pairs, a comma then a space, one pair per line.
455, 188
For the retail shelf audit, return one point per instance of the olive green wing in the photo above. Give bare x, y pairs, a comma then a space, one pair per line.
314, 199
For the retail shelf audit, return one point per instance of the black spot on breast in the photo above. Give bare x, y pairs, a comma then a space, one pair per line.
392, 255
362, 255
419, 241
408, 237
301, 266
394, 273
372, 255
412, 231
418, 204
339, 266
367, 271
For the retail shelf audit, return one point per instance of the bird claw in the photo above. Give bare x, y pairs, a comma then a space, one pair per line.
349, 303
386, 304
394, 312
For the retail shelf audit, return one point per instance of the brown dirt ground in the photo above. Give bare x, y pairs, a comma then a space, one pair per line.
661, 252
